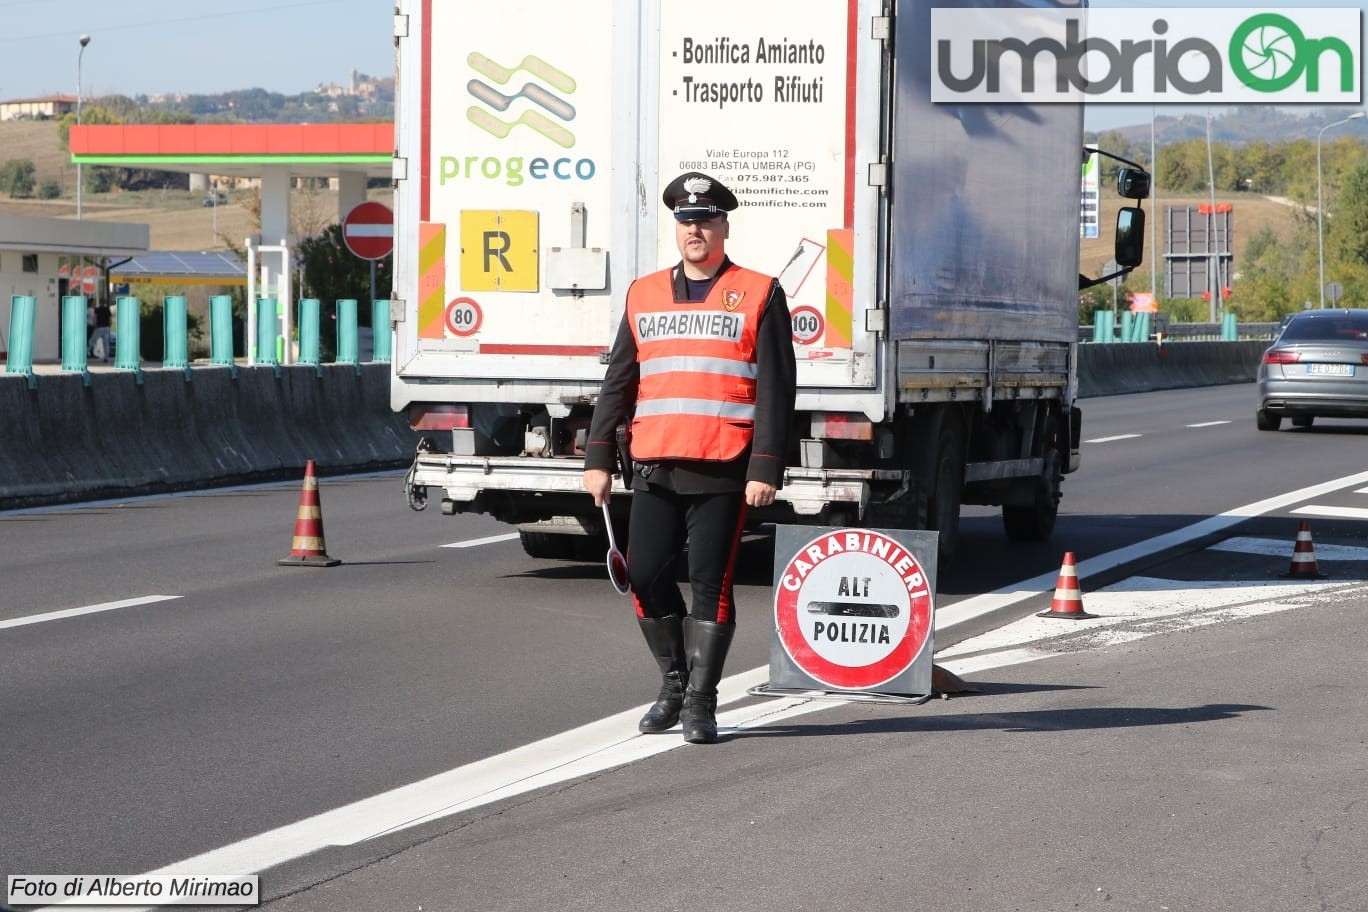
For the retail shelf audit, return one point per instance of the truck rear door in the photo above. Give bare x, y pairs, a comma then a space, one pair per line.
537, 140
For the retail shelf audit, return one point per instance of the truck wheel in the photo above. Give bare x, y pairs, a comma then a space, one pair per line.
943, 513
548, 545
1036, 521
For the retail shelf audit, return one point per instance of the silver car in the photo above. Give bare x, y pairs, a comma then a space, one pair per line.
1317, 367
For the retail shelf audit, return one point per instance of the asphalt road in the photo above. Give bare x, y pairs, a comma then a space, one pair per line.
1212, 762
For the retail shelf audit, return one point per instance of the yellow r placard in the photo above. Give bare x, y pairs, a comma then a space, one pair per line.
499, 250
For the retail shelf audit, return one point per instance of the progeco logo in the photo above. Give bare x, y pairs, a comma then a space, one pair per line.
538, 95
1279, 57
536, 101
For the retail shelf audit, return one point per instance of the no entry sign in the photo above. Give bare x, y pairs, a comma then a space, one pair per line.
368, 230
853, 610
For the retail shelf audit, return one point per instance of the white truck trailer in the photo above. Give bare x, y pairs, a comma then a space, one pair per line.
929, 251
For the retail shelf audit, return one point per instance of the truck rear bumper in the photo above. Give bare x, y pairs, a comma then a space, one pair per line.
546, 485
521, 489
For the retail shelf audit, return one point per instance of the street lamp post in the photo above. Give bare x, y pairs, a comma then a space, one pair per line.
1214, 261
85, 39
1154, 221
1320, 202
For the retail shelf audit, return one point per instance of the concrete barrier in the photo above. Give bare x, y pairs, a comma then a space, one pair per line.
1135, 367
67, 442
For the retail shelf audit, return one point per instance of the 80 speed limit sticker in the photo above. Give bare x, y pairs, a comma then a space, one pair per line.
463, 316
808, 325
853, 609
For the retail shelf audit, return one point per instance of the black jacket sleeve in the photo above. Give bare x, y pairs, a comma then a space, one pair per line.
616, 399
775, 389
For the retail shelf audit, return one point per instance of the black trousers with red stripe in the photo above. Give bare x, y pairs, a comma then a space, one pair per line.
662, 522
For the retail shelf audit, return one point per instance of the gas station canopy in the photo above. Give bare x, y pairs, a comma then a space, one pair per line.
239, 150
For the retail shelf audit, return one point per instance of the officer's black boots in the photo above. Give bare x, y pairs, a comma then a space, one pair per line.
705, 644
665, 637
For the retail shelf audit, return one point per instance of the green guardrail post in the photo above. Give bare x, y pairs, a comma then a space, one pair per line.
1104, 328
380, 330
1142, 327
1230, 330
19, 360
1127, 321
176, 340
128, 334
268, 332
308, 331
347, 347
221, 332
74, 340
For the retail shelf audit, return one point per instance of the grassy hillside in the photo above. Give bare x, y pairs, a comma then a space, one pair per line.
36, 140
1250, 214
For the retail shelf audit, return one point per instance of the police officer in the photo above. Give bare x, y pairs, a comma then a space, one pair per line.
703, 372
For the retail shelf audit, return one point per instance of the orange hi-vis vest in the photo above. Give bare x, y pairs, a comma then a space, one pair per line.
696, 394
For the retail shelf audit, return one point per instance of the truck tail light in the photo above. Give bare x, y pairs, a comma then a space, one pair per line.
439, 417
842, 426
1278, 356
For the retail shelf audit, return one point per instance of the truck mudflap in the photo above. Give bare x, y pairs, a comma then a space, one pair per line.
479, 482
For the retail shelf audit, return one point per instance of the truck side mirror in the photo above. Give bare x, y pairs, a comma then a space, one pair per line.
1133, 183
1130, 236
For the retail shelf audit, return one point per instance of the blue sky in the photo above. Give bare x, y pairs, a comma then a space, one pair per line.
199, 46
290, 46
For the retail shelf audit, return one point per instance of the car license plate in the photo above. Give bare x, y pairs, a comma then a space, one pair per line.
1331, 370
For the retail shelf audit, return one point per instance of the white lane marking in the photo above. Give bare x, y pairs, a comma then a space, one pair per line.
372, 816
1270, 547
476, 542
1137, 608
88, 609
1362, 491
1333, 512
1207, 424
598, 746
1112, 439
972, 608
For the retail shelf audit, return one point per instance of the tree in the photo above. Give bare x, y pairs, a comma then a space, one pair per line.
1279, 274
332, 272
1346, 234
16, 177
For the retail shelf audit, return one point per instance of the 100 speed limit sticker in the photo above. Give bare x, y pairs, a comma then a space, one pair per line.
853, 609
808, 324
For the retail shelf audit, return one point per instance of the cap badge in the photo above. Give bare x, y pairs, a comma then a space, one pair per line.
696, 185
731, 298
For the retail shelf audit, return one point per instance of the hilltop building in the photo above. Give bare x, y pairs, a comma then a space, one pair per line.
46, 108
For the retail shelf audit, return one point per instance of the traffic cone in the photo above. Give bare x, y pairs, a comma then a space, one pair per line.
1068, 600
308, 548
1304, 564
